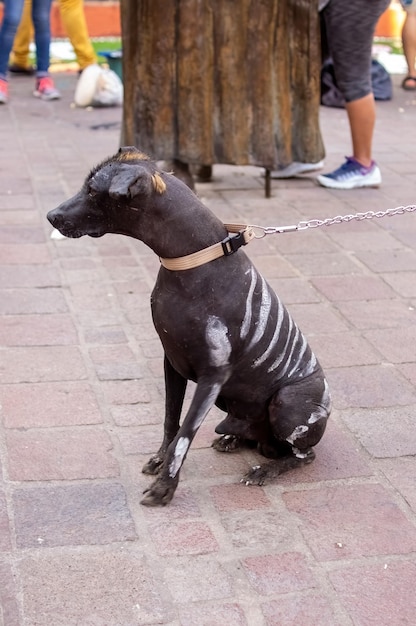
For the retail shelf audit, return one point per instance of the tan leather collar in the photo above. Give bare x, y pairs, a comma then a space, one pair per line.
227, 246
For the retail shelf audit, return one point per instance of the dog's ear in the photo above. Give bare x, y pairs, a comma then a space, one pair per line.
130, 181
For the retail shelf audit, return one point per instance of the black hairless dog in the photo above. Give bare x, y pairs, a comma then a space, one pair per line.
220, 323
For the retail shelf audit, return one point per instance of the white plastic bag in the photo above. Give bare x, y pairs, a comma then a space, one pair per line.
98, 87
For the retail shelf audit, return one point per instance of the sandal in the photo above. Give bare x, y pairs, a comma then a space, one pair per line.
409, 83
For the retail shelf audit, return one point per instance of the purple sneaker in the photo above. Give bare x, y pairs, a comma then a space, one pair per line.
351, 175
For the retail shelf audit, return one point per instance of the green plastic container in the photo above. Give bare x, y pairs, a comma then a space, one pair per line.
115, 61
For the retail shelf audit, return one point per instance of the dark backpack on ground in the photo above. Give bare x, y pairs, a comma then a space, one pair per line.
331, 95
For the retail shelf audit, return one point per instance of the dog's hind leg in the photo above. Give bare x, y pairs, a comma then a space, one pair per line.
175, 386
162, 490
298, 416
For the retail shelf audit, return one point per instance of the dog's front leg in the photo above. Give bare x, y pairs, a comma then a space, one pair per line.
162, 490
175, 387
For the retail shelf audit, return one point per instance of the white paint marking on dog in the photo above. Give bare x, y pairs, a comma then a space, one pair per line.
274, 339
206, 406
180, 451
298, 454
298, 432
245, 326
266, 303
216, 334
324, 406
298, 361
310, 366
280, 359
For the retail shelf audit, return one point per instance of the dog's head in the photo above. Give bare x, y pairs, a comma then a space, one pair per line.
115, 193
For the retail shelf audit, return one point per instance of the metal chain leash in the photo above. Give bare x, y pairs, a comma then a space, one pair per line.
329, 221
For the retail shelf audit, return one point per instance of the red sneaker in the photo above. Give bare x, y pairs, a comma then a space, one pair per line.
4, 91
45, 89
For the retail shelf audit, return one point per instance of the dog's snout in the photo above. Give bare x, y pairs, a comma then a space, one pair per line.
54, 218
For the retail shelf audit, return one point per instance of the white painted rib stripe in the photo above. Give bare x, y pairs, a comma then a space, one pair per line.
265, 306
300, 356
275, 337
279, 360
245, 326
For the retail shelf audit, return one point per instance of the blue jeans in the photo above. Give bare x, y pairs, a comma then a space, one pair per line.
41, 10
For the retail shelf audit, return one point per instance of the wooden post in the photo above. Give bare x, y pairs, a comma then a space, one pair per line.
222, 82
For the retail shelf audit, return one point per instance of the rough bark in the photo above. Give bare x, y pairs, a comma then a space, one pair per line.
222, 81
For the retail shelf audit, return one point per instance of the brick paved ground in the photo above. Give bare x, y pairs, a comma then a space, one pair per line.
333, 544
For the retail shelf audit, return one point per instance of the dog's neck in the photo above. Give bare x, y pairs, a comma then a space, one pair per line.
177, 226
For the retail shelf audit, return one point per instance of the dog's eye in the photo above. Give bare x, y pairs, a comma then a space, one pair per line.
92, 193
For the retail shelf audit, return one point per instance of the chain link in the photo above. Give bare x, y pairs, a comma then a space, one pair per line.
329, 221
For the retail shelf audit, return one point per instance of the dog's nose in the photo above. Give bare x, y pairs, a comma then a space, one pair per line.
54, 218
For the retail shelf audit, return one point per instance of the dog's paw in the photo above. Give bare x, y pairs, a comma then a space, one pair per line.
256, 476
226, 443
153, 465
158, 494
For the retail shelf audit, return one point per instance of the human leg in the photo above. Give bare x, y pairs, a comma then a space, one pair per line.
409, 48
11, 18
45, 88
24, 35
349, 29
41, 10
73, 17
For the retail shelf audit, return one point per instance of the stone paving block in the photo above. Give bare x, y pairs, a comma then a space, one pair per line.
9, 612
401, 473
127, 392
378, 593
145, 440
183, 537
294, 290
352, 288
356, 238
205, 614
343, 350
13, 276
345, 522
105, 335
384, 432
317, 318
208, 463
327, 264
299, 608
21, 234
389, 260
397, 345
376, 314
60, 454
138, 414
369, 386
26, 301
42, 364
18, 202
273, 266
409, 371
261, 531
38, 330
20, 217
49, 404
234, 497
87, 514
11, 254
5, 540
198, 579
281, 573
403, 283
112, 587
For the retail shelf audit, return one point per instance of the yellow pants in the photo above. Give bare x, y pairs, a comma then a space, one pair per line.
73, 18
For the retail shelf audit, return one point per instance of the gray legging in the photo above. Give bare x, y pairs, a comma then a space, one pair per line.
350, 26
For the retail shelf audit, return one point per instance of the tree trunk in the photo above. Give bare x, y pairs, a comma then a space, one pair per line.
222, 81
